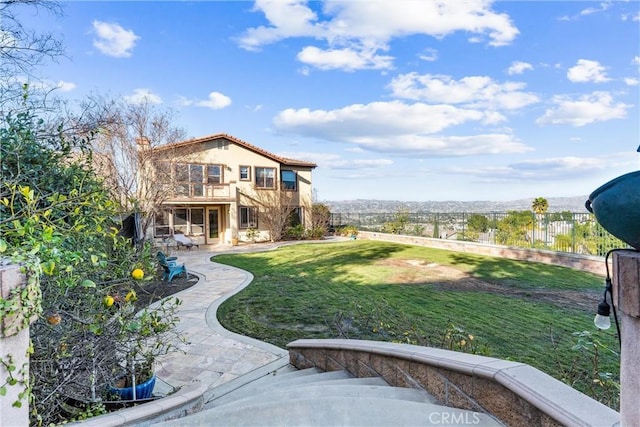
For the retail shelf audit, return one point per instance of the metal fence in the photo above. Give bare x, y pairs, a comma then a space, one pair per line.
557, 231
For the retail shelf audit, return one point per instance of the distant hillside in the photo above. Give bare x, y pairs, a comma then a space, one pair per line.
556, 204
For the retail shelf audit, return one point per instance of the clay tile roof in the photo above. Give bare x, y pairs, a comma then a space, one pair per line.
192, 141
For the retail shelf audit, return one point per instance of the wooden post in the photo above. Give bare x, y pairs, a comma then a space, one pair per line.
626, 286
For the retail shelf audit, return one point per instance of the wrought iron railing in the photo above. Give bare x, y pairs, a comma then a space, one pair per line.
571, 232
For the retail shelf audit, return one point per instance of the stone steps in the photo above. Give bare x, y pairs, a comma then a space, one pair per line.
310, 397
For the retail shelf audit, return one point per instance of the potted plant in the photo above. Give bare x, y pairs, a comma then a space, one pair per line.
137, 383
143, 337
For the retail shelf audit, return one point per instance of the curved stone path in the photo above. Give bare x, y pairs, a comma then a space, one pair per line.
212, 355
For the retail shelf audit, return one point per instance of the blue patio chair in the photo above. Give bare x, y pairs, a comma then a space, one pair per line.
170, 266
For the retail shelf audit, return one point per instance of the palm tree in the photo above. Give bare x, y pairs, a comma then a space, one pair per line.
540, 205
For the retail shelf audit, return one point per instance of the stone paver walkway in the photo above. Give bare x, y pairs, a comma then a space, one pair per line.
212, 355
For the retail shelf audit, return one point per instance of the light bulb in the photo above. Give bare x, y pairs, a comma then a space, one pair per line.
602, 322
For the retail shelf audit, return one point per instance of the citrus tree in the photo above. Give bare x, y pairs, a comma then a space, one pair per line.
58, 220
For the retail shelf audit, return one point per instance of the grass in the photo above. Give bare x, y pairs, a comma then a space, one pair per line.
355, 289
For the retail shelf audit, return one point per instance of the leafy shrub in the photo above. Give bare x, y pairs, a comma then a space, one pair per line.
317, 233
590, 369
252, 234
320, 216
348, 231
296, 232
399, 223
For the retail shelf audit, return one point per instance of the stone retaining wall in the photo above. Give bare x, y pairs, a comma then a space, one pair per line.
592, 264
14, 343
515, 393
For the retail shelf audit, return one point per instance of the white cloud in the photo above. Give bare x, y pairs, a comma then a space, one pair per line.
630, 16
473, 91
216, 101
347, 59
636, 60
65, 86
305, 71
361, 164
535, 170
398, 128
355, 31
631, 81
429, 55
113, 40
335, 161
383, 118
288, 18
519, 67
591, 108
47, 85
254, 108
143, 95
591, 10
183, 101
587, 71
588, 11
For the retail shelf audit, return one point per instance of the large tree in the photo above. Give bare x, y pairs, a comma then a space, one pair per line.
276, 208
22, 49
125, 152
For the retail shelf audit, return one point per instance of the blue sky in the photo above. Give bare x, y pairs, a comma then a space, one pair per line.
397, 100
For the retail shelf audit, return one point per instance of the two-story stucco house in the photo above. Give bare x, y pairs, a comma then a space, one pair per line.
215, 187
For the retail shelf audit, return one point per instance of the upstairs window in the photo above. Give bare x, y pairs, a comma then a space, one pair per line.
163, 171
214, 174
196, 177
221, 144
245, 173
289, 180
265, 177
181, 172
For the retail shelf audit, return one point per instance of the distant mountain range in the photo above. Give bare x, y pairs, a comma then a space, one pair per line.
556, 204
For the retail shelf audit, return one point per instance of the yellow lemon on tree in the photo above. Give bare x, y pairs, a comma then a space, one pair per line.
108, 301
54, 319
137, 274
131, 296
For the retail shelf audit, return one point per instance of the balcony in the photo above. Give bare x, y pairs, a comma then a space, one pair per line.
199, 192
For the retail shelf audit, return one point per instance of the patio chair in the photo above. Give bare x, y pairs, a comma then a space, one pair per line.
171, 267
182, 240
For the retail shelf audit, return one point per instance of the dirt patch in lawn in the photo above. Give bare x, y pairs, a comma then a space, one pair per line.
411, 271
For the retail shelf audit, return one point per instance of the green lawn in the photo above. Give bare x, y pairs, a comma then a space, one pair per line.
358, 289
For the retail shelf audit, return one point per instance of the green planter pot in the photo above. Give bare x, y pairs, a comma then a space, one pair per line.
616, 206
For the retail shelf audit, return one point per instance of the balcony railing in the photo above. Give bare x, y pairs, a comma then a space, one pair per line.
192, 191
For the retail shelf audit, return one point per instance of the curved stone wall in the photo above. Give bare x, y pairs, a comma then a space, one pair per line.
515, 393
